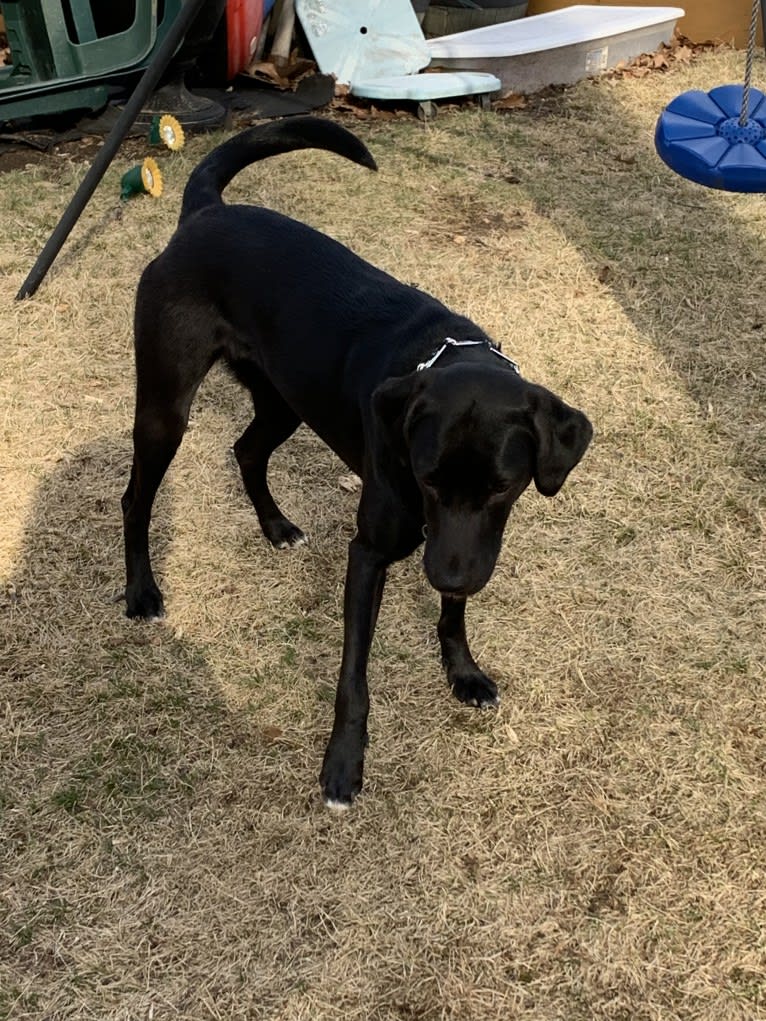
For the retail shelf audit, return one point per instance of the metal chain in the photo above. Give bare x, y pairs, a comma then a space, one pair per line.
451, 342
749, 64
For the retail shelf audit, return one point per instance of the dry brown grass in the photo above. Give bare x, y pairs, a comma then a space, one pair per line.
592, 851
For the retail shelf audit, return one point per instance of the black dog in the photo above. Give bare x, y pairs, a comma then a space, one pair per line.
418, 401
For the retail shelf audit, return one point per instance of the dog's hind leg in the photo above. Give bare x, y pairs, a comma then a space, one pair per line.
274, 422
163, 400
155, 441
469, 684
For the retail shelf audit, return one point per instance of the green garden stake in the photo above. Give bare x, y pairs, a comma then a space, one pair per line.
144, 179
165, 130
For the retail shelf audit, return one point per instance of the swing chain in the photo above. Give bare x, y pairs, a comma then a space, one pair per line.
749, 64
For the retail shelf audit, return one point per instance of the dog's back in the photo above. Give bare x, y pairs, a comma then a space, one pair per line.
264, 291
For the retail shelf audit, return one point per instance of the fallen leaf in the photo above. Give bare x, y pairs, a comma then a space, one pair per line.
298, 67
510, 102
271, 734
604, 274
265, 70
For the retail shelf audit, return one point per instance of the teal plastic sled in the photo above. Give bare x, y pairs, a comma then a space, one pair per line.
377, 48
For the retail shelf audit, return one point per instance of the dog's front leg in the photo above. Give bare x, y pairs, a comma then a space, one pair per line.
341, 776
469, 684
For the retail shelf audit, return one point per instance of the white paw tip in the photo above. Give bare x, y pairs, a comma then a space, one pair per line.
337, 806
299, 540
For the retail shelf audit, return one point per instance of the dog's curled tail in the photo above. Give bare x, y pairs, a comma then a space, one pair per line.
210, 177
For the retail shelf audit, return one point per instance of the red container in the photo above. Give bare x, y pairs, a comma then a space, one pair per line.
244, 19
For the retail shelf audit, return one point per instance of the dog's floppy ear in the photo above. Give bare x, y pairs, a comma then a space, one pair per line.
562, 436
391, 403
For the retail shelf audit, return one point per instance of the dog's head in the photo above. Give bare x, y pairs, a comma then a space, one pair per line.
474, 438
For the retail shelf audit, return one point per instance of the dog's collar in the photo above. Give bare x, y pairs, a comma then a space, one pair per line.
451, 342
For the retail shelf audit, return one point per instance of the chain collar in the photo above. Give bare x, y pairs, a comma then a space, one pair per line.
451, 342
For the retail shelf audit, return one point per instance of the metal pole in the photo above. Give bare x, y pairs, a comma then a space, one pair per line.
112, 142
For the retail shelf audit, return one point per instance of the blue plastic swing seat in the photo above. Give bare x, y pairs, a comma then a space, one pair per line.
699, 136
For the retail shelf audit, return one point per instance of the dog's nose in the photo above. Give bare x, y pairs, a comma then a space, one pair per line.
457, 577
455, 586
449, 580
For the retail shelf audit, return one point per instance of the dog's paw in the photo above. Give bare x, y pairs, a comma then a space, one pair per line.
339, 807
145, 604
285, 535
296, 538
475, 690
340, 780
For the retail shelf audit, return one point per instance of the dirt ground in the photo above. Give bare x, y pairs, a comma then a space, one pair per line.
593, 850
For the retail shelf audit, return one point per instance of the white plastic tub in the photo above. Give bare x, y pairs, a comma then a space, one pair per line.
557, 48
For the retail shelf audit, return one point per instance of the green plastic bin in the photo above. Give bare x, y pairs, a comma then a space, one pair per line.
63, 60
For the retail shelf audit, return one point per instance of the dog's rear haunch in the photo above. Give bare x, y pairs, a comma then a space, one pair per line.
443, 430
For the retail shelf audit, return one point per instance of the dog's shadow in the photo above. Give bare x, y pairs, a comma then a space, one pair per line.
112, 719
136, 791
